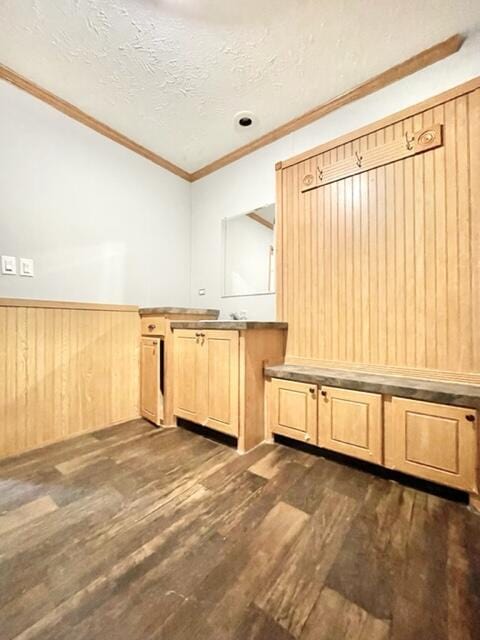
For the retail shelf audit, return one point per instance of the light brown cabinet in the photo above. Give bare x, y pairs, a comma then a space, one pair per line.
428, 440
151, 397
185, 374
206, 378
220, 395
350, 422
293, 410
218, 375
433, 441
157, 378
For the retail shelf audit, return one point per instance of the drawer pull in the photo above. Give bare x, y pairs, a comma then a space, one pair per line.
470, 417
151, 327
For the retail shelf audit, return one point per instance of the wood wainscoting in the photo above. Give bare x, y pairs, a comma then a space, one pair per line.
380, 269
65, 369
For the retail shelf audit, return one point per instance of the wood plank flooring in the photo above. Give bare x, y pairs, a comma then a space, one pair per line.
137, 533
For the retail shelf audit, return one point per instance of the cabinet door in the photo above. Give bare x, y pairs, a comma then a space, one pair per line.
433, 441
186, 379
350, 422
151, 400
293, 410
219, 375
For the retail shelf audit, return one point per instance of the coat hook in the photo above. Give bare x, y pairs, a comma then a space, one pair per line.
409, 141
359, 159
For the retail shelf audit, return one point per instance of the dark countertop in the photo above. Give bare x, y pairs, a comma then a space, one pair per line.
454, 393
239, 325
166, 311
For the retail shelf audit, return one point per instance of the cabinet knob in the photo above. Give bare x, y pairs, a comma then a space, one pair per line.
312, 389
470, 417
324, 393
151, 327
197, 334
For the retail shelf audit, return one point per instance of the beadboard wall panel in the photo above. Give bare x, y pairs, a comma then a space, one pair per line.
380, 270
65, 371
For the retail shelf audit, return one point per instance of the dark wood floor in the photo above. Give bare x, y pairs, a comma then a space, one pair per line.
135, 533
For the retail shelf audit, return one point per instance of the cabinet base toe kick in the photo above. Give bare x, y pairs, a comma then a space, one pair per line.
436, 442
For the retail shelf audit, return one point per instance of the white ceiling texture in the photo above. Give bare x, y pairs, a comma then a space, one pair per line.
171, 74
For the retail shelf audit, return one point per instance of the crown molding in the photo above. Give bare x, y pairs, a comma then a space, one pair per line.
419, 61
80, 116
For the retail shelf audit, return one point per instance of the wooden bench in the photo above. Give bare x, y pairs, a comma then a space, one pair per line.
426, 428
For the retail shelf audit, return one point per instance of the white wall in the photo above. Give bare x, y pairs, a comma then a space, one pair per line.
102, 223
250, 182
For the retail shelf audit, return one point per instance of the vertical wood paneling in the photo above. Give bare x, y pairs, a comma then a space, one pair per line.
399, 238
328, 266
474, 173
441, 263
418, 249
452, 231
464, 230
382, 257
3, 376
372, 214
431, 338
320, 258
279, 238
381, 269
334, 243
64, 372
365, 262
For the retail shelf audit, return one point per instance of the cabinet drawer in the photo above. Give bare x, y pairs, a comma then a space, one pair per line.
153, 326
350, 422
433, 441
293, 410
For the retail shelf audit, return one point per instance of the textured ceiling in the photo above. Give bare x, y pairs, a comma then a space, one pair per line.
171, 74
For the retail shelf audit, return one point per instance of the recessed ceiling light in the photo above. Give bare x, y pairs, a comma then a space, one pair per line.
245, 120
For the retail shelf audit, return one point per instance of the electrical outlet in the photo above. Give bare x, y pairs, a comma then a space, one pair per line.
9, 265
202, 292
26, 267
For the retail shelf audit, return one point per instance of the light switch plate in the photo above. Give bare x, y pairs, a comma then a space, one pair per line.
202, 292
9, 265
26, 267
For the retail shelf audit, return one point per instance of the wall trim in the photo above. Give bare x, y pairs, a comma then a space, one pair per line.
59, 304
419, 61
